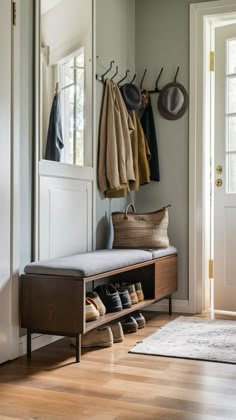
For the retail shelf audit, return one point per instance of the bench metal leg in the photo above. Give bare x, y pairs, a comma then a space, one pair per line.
170, 305
78, 348
28, 343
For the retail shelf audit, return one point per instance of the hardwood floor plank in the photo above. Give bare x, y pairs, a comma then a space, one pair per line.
114, 384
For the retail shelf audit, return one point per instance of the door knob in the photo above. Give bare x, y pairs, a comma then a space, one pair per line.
219, 182
219, 169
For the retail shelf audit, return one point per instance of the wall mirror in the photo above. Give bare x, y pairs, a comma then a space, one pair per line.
66, 81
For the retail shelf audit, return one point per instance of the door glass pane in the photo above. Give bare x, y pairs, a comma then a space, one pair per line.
231, 182
231, 56
80, 111
231, 133
67, 111
68, 73
231, 94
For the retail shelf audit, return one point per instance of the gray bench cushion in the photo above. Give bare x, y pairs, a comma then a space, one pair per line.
89, 263
163, 252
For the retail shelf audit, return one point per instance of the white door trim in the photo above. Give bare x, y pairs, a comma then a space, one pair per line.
199, 247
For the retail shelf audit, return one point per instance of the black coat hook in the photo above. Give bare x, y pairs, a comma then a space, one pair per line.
132, 81
176, 74
111, 64
126, 75
114, 75
157, 90
141, 83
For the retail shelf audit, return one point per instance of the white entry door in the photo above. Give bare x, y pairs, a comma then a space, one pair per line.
225, 169
5, 178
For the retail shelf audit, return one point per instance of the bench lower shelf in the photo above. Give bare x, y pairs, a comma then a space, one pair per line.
112, 316
105, 319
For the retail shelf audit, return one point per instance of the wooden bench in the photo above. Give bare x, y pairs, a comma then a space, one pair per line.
53, 292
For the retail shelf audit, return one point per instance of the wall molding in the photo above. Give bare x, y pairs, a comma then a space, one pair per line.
37, 342
178, 306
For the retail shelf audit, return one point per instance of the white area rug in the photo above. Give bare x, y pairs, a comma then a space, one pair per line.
193, 338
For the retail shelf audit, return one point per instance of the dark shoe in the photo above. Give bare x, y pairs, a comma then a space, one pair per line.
139, 318
129, 325
124, 297
139, 291
132, 292
110, 298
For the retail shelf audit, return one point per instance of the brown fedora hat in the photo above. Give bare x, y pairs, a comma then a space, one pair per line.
173, 101
132, 96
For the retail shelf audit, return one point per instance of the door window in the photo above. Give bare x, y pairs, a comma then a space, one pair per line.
230, 149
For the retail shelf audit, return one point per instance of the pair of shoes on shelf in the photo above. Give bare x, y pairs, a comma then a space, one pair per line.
132, 323
135, 291
117, 297
110, 297
94, 307
124, 296
103, 336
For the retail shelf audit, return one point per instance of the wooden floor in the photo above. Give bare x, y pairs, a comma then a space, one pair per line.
114, 384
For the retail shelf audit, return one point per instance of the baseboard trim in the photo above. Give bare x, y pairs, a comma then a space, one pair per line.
37, 341
179, 306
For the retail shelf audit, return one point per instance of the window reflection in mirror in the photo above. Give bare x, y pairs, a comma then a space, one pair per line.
66, 50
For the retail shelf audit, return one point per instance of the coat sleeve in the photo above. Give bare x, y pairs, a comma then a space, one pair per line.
102, 153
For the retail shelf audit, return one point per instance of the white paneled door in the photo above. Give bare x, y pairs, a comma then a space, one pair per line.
5, 178
225, 169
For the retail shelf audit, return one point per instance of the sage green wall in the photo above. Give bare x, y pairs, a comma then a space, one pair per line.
162, 40
115, 40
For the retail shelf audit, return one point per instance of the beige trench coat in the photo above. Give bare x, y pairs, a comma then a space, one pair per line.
115, 161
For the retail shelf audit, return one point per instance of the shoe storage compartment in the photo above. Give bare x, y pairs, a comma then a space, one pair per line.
143, 273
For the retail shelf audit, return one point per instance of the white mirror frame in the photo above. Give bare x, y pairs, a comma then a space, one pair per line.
86, 172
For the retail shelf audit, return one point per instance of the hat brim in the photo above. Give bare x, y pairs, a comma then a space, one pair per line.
165, 113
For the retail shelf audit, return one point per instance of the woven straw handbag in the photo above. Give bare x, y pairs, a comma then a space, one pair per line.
140, 230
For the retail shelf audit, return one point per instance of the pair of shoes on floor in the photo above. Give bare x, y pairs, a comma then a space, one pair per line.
132, 323
94, 307
103, 336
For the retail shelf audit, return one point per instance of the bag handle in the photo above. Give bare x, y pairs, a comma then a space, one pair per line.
127, 208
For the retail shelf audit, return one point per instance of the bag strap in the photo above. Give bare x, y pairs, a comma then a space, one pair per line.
127, 208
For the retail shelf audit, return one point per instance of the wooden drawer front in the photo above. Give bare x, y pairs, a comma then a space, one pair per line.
52, 304
165, 276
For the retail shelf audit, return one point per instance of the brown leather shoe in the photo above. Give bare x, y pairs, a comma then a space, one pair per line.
132, 292
97, 301
139, 291
91, 310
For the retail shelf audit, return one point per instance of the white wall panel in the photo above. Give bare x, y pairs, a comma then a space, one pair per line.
230, 246
65, 216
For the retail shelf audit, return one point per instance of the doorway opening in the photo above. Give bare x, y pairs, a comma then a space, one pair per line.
205, 19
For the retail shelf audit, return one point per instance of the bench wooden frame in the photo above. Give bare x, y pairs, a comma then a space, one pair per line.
56, 304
